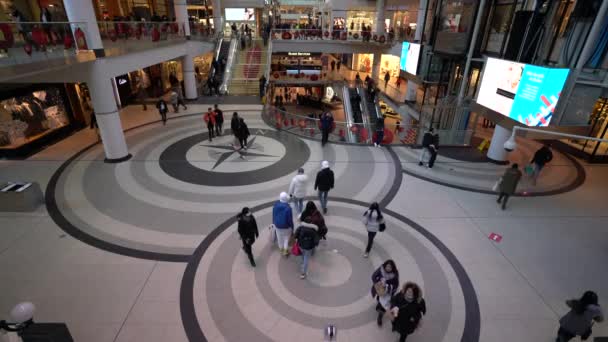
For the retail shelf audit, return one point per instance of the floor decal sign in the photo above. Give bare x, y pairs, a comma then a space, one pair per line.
495, 237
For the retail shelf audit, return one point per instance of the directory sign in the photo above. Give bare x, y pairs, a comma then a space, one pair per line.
410, 54
524, 92
240, 14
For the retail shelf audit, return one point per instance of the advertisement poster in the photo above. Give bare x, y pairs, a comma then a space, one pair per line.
410, 53
240, 14
523, 92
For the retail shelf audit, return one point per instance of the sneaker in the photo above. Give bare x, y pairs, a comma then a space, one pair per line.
375, 144
303, 275
253, 264
365, 255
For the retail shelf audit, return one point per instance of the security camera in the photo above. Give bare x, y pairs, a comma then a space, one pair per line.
22, 313
510, 144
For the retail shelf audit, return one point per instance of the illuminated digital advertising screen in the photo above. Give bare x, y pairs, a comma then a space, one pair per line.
524, 92
410, 54
240, 14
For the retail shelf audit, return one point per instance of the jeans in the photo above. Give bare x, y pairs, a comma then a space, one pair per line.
210, 129
323, 198
370, 241
299, 204
283, 236
306, 253
423, 153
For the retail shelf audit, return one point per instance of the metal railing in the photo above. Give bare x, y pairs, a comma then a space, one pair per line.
27, 42
130, 31
341, 35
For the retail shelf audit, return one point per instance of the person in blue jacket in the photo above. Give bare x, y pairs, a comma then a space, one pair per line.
282, 219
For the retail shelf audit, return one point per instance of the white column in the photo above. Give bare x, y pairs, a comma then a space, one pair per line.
217, 16
189, 77
497, 152
82, 12
420, 22
379, 18
376, 66
412, 88
108, 119
181, 15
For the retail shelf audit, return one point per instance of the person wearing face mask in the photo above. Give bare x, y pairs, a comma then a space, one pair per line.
407, 308
385, 282
248, 231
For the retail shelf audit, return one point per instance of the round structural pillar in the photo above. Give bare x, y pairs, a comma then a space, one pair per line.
412, 89
497, 152
379, 17
189, 77
376, 66
217, 16
82, 15
421, 20
181, 15
108, 120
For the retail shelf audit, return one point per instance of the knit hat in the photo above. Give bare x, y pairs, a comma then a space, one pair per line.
284, 197
325, 164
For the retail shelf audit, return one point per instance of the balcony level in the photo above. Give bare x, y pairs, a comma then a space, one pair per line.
342, 41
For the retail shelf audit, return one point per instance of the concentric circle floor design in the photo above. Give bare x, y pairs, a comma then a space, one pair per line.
271, 302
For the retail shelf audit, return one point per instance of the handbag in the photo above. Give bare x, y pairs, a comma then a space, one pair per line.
295, 249
496, 186
382, 227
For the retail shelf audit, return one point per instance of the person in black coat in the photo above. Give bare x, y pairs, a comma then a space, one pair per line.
324, 182
541, 157
242, 133
408, 307
234, 124
386, 278
307, 239
162, 110
248, 231
219, 121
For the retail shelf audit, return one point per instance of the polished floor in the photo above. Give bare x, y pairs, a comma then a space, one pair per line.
147, 250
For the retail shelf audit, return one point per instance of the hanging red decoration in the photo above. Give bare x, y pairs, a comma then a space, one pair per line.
39, 37
113, 35
275, 75
81, 41
375, 38
354, 129
382, 39
326, 33
342, 133
164, 28
138, 32
314, 77
278, 125
363, 134
155, 35
28, 49
174, 28
302, 124
356, 36
68, 42
55, 40
286, 123
6, 36
293, 121
312, 132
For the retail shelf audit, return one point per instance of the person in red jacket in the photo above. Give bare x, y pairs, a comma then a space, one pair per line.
209, 119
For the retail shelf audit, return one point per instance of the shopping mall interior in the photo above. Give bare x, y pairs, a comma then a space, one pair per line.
141, 139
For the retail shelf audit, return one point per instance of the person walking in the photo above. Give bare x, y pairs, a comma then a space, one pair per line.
282, 219
427, 141
385, 282
327, 121
324, 182
307, 239
93, 125
242, 133
379, 132
219, 120
374, 223
357, 79
387, 77
297, 189
209, 119
311, 212
508, 184
248, 231
161, 105
541, 158
581, 317
234, 123
407, 308
262, 86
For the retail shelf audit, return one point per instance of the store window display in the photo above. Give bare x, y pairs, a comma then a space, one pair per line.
29, 117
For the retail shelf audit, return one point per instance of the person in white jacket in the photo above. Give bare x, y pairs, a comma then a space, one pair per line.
297, 189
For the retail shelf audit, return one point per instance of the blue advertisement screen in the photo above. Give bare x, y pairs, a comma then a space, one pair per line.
525, 93
410, 53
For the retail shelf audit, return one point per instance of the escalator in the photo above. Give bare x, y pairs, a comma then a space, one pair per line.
372, 111
221, 53
355, 100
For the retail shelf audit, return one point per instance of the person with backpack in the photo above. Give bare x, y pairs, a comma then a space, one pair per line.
219, 121
311, 212
324, 182
209, 119
248, 231
579, 320
541, 158
297, 189
385, 282
307, 239
374, 223
508, 184
427, 140
162, 110
407, 308
242, 133
282, 219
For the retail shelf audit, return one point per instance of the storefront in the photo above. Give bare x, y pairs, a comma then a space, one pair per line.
31, 117
31, 9
456, 26
298, 65
137, 9
598, 121
356, 19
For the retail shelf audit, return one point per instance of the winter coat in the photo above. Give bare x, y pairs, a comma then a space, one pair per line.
242, 131
234, 125
162, 106
248, 228
298, 186
324, 180
509, 181
327, 122
577, 324
209, 118
393, 282
372, 222
317, 219
219, 116
542, 156
410, 313
306, 236
282, 216
427, 139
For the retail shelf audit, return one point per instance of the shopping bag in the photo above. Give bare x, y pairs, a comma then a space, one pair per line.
529, 170
496, 186
295, 249
380, 288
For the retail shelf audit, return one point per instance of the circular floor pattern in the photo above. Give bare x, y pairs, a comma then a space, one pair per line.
271, 299
295, 154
